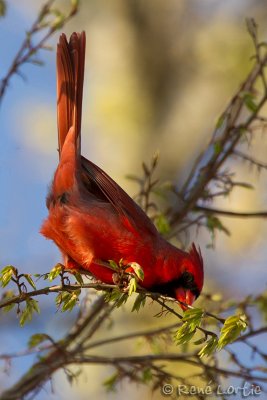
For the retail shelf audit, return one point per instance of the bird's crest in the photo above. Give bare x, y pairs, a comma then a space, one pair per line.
196, 257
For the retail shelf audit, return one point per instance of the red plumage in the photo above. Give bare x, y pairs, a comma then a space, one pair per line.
91, 218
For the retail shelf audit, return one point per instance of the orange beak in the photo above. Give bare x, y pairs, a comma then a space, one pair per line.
184, 296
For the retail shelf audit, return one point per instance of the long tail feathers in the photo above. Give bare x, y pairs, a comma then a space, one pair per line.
70, 75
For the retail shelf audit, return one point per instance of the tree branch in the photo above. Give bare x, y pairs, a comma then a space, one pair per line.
226, 136
54, 289
27, 50
184, 358
133, 335
60, 356
252, 333
252, 160
226, 213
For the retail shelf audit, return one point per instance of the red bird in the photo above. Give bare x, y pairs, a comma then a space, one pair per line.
91, 218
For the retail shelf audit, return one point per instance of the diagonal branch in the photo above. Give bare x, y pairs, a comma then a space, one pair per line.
27, 50
60, 356
226, 137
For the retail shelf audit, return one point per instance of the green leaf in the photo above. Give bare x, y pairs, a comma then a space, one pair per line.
216, 297
192, 319
6, 309
217, 146
220, 121
55, 272
2, 8
8, 295
193, 313
162, 224
122, 300
132, 286
6, 278
75, 3
79, 278
137, 270
184, 334
26, 316
209, 347
214, 223
116, 296
72, 376
60, 298
58, 22
110, 382
27, 313
6, 275
249, 101
113, 265
36, 339
244, 185
36, 61
29, 280
112, 295
193, 316
68, 300
139, 302
121, 263
147, 375
35, 306
231, 330
7, 268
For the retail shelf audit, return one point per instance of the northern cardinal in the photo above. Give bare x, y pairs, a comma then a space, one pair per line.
91, 218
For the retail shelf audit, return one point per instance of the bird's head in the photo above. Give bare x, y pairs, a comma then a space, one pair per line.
190, 282
183, 276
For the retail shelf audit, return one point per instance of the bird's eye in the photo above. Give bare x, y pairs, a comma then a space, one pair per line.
187, 280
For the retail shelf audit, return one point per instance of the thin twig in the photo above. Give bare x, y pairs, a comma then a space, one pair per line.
133, 335
226, 213
54, 289
252, 160
228, 140
27, 50
184, 358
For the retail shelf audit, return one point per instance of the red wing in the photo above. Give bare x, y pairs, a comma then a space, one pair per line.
105, 188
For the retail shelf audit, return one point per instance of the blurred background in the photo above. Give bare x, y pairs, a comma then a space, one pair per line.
158, 75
